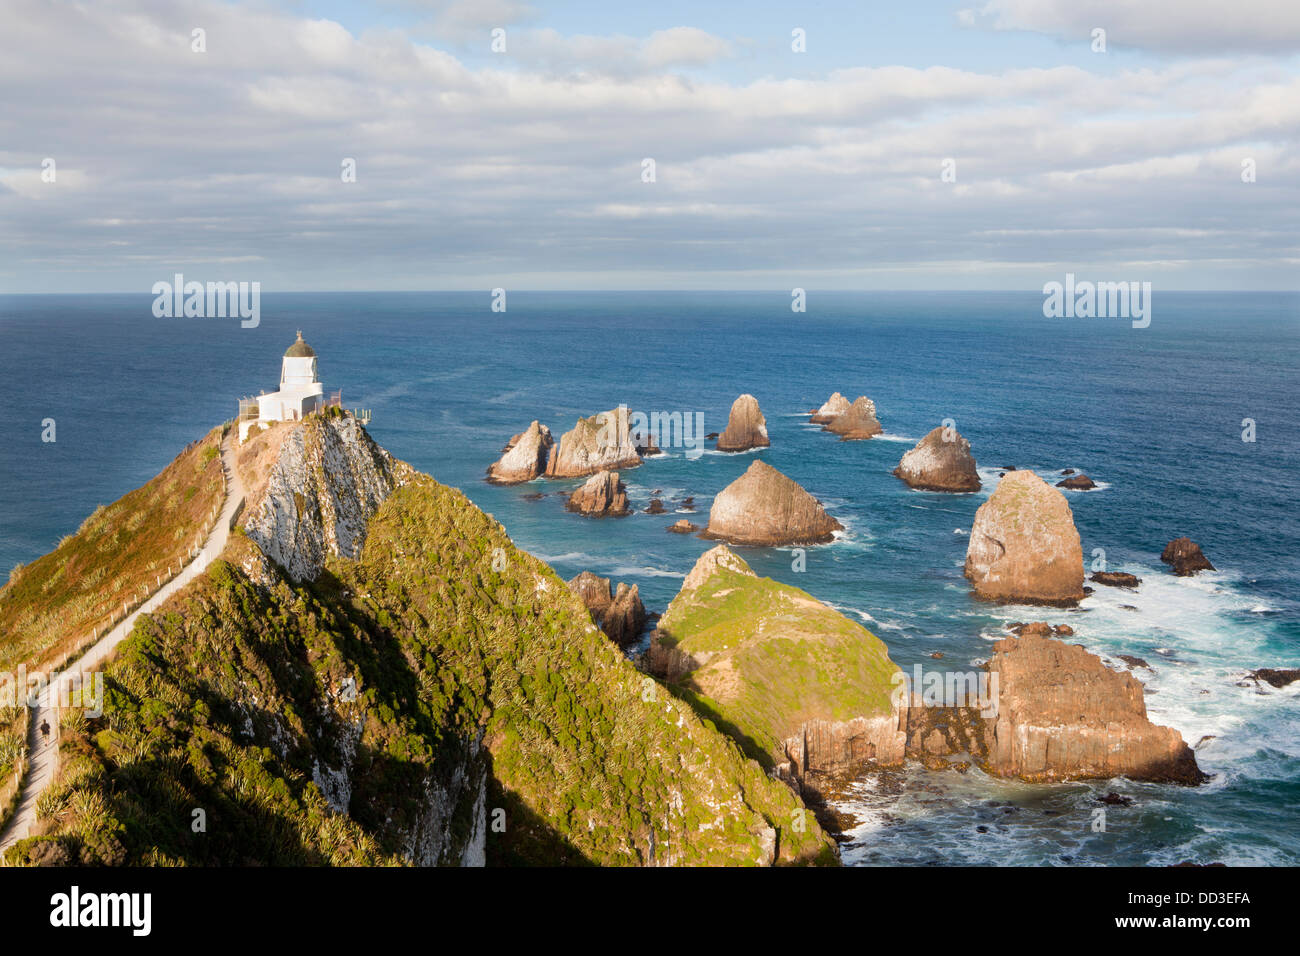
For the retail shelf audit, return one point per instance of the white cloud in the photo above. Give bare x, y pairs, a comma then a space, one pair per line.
531, 168
1175, 26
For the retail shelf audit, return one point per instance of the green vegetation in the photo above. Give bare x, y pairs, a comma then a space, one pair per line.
232, 699
773, 657
50, 607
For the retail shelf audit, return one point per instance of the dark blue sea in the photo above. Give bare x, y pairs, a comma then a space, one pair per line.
1154, 415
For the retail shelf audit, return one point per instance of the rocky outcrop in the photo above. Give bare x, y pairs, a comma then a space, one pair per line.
525, 458
620, 614
656, 507
833, 408
804, 690
328, 481
600, 443
764, 507
857, 423
746, 427
1064, 715
1184, 555
682, 526
1024, 546
1116, 579
1077, 483
603, 495
941, 461
1276, 678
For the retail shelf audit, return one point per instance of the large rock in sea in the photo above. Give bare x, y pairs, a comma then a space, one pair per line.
620, 614
941, 461
858, 423
803, 690
833, 408
525, 456
763, 507
1185, 556
1064, 715
603, 495
1024, 546
600, 443
746, 427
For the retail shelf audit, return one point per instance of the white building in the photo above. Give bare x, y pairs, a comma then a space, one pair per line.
300, 393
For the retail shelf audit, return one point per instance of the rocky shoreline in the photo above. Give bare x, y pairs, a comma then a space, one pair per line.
1058, 712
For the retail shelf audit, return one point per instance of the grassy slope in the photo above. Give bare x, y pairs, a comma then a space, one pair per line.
218, 702
779, 658
49, 607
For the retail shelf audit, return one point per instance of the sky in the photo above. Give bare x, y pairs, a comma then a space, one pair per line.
976, 144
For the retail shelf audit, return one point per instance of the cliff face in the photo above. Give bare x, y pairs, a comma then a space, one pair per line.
807, 692
1024, 546
440, 697
329, 480
764, 507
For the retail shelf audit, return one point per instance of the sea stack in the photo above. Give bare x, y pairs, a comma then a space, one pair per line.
525, 456
1185, 556
804, 690
746, 427
941, 461
603, 495
857, 423
600, 443
1024, 546
621, 615
1064, 715
1079, 482
765, 508
833, 408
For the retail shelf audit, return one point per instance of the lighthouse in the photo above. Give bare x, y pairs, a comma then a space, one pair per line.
300, 392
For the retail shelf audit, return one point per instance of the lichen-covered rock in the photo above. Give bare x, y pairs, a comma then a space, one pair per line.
602, 442
941, 461
1185, 556
328, 481
1023, 545
603, 495
1062, 714
746, 427
858, 423
831, 409
807, 692
525, 456
620, 614
764, 507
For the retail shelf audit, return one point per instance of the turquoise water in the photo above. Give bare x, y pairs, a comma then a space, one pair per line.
1154, 415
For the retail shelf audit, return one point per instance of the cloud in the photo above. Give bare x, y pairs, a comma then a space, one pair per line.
1167, 26
527, 168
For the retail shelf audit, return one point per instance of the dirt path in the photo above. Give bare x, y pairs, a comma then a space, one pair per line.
44, 754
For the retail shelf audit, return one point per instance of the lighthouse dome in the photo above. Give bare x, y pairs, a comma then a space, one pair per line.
300, 349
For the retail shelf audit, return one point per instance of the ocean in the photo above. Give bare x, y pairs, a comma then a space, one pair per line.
1154, 415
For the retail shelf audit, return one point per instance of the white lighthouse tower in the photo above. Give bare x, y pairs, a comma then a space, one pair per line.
300, 392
